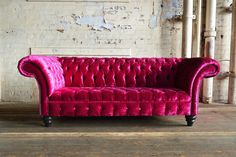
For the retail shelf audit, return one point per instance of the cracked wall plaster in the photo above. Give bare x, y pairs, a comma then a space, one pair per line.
153, 22
134, 25
96, 23
172, 8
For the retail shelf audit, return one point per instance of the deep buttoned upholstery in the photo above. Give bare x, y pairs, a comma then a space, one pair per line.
75, 86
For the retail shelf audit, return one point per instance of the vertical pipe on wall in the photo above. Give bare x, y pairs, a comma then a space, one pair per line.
197, 30
209, 47
1, 67
232, 68
187, 28
1, 79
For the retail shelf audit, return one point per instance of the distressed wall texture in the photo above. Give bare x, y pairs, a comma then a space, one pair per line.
222, 54
144, 26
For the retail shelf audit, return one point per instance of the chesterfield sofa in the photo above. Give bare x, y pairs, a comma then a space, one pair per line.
73, 86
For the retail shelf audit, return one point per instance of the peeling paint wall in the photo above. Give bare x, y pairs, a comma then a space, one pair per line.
144, 26
81, 25
97, 23
172, 8
222, 54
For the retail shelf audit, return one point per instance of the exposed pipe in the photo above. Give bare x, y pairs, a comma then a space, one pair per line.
1, 80
209, 47
232, 68
197, 30
187, 28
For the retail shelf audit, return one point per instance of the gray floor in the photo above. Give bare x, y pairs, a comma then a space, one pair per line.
22, 134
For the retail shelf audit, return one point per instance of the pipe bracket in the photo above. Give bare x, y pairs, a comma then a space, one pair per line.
190, 16
232, 75
210, 33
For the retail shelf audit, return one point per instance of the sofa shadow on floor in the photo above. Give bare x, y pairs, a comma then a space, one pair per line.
27, 117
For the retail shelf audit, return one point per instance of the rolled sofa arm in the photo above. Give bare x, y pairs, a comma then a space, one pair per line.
191, 72
49, 67
48, 73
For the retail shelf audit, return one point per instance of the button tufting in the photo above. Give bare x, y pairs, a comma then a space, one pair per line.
168, 77
123, 72
71, 85
172, 68
152, 68
165, 98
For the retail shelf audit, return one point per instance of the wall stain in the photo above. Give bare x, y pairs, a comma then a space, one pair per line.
61, 30
97, 23
171, 8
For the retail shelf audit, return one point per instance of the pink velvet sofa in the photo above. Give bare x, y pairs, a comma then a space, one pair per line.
73, 86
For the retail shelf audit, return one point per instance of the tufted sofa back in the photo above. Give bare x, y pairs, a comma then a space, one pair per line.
119, 72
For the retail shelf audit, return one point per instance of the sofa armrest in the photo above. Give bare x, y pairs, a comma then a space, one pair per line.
191, 72
47, 66
48, 73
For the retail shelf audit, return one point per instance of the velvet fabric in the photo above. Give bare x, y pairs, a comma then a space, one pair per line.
73, 86
119, 101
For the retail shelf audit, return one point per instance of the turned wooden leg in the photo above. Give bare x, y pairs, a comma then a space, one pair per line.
47, 120
190, 120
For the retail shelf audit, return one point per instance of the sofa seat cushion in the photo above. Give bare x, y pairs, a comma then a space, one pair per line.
118, 101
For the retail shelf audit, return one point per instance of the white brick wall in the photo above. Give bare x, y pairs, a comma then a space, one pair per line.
33, 24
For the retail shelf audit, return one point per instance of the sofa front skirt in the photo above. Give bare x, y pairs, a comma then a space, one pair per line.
108, 101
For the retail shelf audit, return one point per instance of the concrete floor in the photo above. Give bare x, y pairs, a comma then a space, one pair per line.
22, 134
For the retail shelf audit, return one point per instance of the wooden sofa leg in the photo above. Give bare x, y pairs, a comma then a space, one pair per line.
47, 120
190, 120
